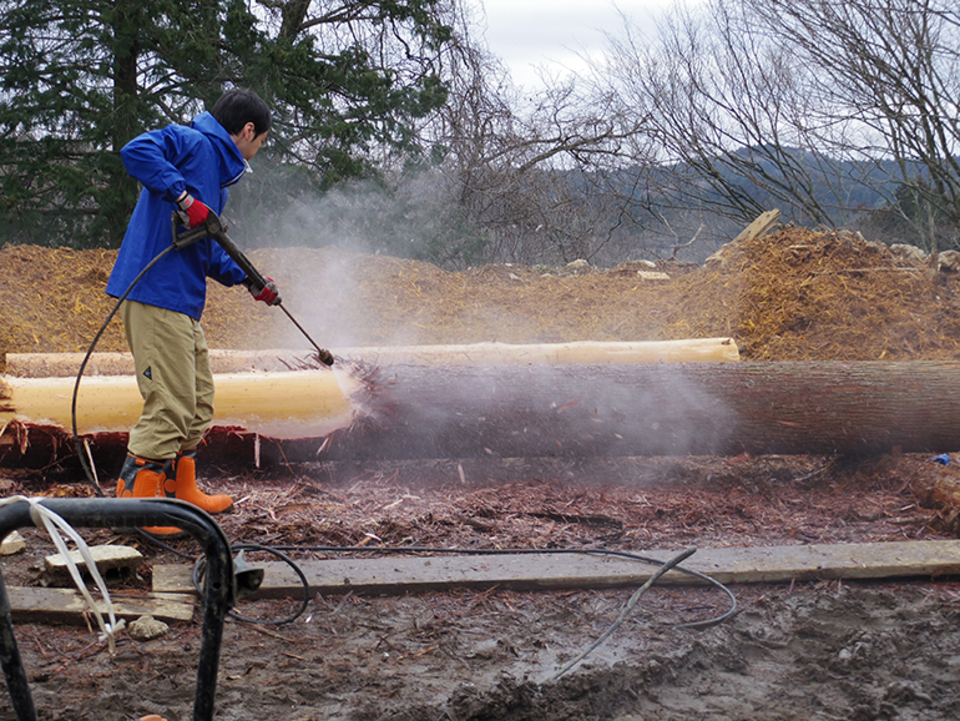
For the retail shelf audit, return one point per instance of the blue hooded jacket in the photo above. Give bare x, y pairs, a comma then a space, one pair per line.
203, 160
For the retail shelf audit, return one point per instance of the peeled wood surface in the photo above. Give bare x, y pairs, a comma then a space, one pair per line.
553, 571
663, 409
695, 350
702, 350
66, 365
301, 404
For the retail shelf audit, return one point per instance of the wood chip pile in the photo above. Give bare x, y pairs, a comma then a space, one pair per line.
795, 294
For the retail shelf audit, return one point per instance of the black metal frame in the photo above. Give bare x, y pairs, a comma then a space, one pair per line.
219, 584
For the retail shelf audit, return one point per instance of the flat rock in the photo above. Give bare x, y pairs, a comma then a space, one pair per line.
107, 557
13, 543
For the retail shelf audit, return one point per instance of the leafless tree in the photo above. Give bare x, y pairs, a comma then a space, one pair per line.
724, 107
818, 107
516, 181
887, 87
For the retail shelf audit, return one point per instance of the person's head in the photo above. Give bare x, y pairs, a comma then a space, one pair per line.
246, 117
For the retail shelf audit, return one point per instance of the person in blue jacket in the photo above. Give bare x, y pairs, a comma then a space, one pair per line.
186, 169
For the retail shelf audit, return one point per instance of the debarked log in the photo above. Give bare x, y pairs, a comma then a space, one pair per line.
692, 350
302, 404
573, 411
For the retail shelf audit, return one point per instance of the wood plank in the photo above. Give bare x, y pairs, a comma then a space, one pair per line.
552, 571
762, 225
44, 605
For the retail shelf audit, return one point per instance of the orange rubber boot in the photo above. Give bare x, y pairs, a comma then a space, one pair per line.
184, 486
143, 478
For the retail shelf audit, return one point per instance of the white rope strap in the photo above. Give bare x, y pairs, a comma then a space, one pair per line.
53, 523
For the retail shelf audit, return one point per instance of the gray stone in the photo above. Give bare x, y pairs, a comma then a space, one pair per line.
147, 628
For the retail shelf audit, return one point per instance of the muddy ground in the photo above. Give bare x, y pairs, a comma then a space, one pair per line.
812, 650
823, 649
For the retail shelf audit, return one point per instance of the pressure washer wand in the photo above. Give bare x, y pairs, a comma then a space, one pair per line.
324, 355
214, 228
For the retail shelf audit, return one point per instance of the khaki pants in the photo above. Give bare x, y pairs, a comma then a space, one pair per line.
173, 373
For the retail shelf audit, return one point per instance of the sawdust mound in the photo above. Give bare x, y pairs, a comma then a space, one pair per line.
795, 294
53, 300
806, 295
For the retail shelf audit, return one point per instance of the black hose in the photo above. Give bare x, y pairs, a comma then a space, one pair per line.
542, 551
201, 564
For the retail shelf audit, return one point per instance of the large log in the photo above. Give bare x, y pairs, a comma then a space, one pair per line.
584, 411
694, 350
663, 409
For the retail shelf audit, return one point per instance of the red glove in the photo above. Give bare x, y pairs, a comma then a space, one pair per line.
193, 212
268, 293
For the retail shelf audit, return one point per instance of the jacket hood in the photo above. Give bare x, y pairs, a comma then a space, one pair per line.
232, 164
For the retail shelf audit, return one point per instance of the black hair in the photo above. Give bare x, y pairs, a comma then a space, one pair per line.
237, 107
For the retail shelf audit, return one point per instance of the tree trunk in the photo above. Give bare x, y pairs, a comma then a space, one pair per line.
663, 409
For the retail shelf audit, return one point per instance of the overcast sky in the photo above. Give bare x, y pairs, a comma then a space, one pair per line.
557, 33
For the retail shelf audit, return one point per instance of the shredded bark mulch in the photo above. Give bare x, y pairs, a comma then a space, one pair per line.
796, 294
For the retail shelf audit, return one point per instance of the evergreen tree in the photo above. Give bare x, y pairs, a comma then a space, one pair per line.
79, 78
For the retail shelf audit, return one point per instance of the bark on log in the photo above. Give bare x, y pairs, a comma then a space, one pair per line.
666, 409
694, 350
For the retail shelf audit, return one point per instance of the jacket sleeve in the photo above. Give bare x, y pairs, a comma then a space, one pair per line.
152, 158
